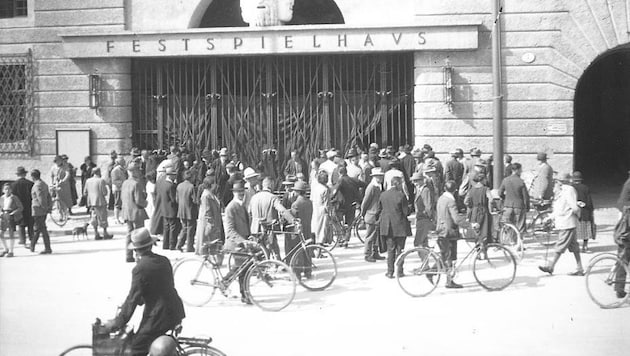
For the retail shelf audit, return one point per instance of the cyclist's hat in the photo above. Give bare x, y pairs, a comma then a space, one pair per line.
377, 171
141, 238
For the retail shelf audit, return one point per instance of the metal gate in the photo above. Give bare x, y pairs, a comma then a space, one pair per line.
249, 104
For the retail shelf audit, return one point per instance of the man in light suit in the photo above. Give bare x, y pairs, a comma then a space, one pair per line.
543, 182
448, 222
134, 199
96, 192
187, 212
166, 199
41, 205
515, 198
369, 212
236, 233
393, 210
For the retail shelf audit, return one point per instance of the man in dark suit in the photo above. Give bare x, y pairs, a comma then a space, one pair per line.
186, 212
394, 225
134, 200
507, 166
302, 208
41, 205
295, 165
152, 285
22, 189
369, 212
166, 199
425, 213
515, 198
96, 200
454, 169
176, 162
447, 227
347, 194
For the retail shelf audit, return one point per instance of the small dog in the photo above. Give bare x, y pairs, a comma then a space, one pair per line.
80, 230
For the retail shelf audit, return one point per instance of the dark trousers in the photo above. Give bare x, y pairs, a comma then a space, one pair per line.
40, 228
187, 235
624, 254
515, 216
423, 226
395, 245
27, 225
170, 233
142, 341
371, 240
131, 225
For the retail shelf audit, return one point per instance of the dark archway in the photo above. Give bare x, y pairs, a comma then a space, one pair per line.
227, 13
602, 120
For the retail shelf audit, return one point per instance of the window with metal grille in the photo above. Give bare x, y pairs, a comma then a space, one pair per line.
13, 8
16, 103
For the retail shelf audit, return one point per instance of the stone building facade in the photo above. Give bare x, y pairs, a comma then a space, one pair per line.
546, 48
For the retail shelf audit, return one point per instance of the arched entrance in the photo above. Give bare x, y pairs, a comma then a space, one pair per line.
602, 119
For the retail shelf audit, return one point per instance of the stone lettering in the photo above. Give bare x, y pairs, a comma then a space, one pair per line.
162, 45
210, 42
185, 40
315, 44
342, 39
135, 44
397, 39
110, 45
288, 41
368, 40
421, 39
237, 42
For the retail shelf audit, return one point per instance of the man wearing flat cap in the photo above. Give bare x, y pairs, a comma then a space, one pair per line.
152, 285
22, 189
134, 200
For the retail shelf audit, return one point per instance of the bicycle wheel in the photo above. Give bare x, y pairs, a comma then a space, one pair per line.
58, 214
315, 267
203, 351
601, 279
336, 233
270, 285
510, 237
358, 226
469, 235
195, 281
418, 271
542, 229
78, 350
497, 270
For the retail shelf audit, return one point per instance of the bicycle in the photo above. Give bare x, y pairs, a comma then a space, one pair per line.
59, 213
494, 268
315, 267
541, 227
116, 344
339, 230
269, 284
509, 235
601, 278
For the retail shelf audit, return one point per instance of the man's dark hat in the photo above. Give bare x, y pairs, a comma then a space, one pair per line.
238, 187
352, 153
577, 176
141, 238
20, 171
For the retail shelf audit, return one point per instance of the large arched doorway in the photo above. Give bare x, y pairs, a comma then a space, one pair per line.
602, 120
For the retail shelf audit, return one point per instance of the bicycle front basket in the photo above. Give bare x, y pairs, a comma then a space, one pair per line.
106, 344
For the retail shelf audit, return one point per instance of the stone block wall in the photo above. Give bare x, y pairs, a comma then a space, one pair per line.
564, 36
61, 85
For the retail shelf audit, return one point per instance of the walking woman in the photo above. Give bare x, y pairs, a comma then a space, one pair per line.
478, 203
320, 195
209, 223
61, 183
586, 225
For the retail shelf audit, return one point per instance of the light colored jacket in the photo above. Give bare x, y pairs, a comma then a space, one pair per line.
565, 208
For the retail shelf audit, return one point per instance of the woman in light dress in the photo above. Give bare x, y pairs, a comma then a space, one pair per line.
209, 223
320, 195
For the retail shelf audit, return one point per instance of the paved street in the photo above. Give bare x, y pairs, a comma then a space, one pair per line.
48, 303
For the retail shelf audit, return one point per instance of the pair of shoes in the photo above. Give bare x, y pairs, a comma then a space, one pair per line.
378, 257
98, 237
45, 252
389, 275
577, 273
108, 237
131, 259
621, 294
370, 259
546, 269
3, 253
32, 248
454, 285
10, 254
246, 300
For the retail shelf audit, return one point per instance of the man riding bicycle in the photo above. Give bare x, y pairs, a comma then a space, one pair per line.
151, 285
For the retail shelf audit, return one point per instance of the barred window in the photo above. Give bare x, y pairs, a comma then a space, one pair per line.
16, 103
13, 8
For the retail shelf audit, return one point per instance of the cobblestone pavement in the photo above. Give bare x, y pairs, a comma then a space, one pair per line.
47, 303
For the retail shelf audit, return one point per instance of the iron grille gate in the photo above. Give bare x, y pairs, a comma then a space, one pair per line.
251, 103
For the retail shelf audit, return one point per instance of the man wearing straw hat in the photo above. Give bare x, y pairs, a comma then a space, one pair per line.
152, 285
